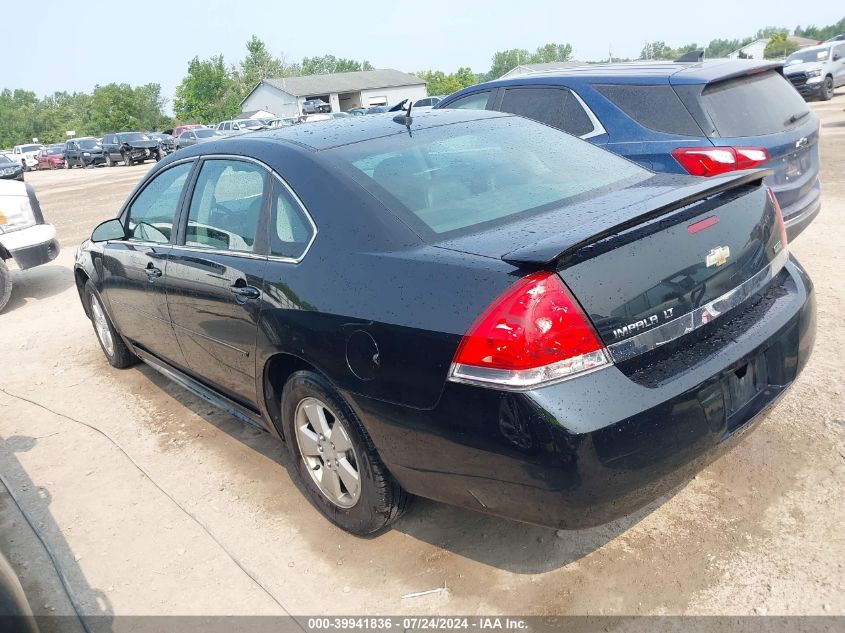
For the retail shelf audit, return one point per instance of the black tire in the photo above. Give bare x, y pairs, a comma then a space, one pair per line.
67, 164
382, 500
5, 284
120, 356
827, 89
109, 160
159, 155
126, 160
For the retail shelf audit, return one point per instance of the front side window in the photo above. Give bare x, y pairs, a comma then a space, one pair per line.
152, 213
226, 205
475, 101
290, 232
553, 106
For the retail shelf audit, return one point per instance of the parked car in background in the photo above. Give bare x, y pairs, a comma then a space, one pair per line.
816, 71
524, 324
83, 152
10, 169
315, 106
703, 119
278, 122
25, 236
27, 155
175, 132
130, 148
376, 109
837, 38
52, 157
239, 126
428, 102
339, 115
357, 111
165, 141
314, 118
192, 137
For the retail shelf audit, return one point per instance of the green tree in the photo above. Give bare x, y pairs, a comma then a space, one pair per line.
503, 61
259, 64
821, 33
326, 64
208, 93
779, 47
116, 107
439, 83
771, 32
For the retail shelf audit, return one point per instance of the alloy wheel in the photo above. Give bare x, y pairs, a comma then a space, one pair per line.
101, 326
328, 452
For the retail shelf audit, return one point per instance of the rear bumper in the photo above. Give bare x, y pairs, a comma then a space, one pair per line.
590, 450
802, 212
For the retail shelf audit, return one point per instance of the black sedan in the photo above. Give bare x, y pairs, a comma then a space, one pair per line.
468, 306
10, 169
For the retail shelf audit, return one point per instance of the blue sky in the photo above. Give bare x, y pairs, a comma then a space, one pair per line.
74, 46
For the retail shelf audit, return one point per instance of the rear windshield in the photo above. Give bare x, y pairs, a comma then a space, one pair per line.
132, 136
753, 106
459, 177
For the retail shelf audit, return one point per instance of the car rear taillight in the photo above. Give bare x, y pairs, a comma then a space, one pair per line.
534, 334
781, 225
710, 161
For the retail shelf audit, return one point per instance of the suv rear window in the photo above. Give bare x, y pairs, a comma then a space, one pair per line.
657, 108
753, 106
459, 177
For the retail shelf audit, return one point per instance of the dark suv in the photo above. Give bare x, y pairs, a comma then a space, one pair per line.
83, 152
131, 148
703, 118
315, 106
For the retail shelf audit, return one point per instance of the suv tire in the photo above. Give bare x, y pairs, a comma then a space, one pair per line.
5, 284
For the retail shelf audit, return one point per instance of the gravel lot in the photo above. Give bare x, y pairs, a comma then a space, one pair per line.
187, 511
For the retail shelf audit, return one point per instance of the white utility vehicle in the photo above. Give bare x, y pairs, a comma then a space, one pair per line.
24, 235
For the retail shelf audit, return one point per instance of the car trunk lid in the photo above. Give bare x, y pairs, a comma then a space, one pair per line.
672, 254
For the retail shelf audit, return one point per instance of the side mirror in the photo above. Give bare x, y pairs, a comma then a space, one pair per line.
837, 57
109, 230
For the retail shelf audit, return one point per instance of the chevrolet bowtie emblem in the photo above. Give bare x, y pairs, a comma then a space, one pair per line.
718, 256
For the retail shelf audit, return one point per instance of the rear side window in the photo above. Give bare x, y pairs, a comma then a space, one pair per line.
557, 107
657, 108
753, 106
291, 231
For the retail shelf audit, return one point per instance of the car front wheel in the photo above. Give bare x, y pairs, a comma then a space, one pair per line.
109, 160
117, 352
5, 284
126, 160
335, 459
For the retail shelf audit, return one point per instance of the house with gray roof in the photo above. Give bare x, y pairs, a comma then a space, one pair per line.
284, 96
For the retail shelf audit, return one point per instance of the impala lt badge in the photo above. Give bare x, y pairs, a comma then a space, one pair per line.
718, 256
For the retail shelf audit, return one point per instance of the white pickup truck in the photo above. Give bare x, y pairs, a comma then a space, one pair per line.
27, 155
24, 235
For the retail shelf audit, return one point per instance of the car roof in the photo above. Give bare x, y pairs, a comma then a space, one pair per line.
646, 72
348, 130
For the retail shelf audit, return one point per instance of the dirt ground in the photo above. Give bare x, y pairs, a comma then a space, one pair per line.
187, 511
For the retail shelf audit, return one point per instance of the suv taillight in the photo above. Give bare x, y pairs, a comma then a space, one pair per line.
534, 334
710, 161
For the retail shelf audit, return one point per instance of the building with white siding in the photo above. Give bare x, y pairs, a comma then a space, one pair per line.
343, 91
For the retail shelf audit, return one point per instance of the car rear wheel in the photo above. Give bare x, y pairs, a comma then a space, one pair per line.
5, 284
335, 459
116, 351
827, 90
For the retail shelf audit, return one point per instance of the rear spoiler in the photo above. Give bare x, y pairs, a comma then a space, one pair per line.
573, 238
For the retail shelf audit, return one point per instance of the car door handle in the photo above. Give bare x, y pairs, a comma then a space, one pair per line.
245, 292
153, 272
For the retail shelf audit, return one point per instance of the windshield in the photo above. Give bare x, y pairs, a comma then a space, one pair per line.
249, 123
88, 143
453, 177
132, 136
30, 148
5, 159
55, 150
802, 57
204, 133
